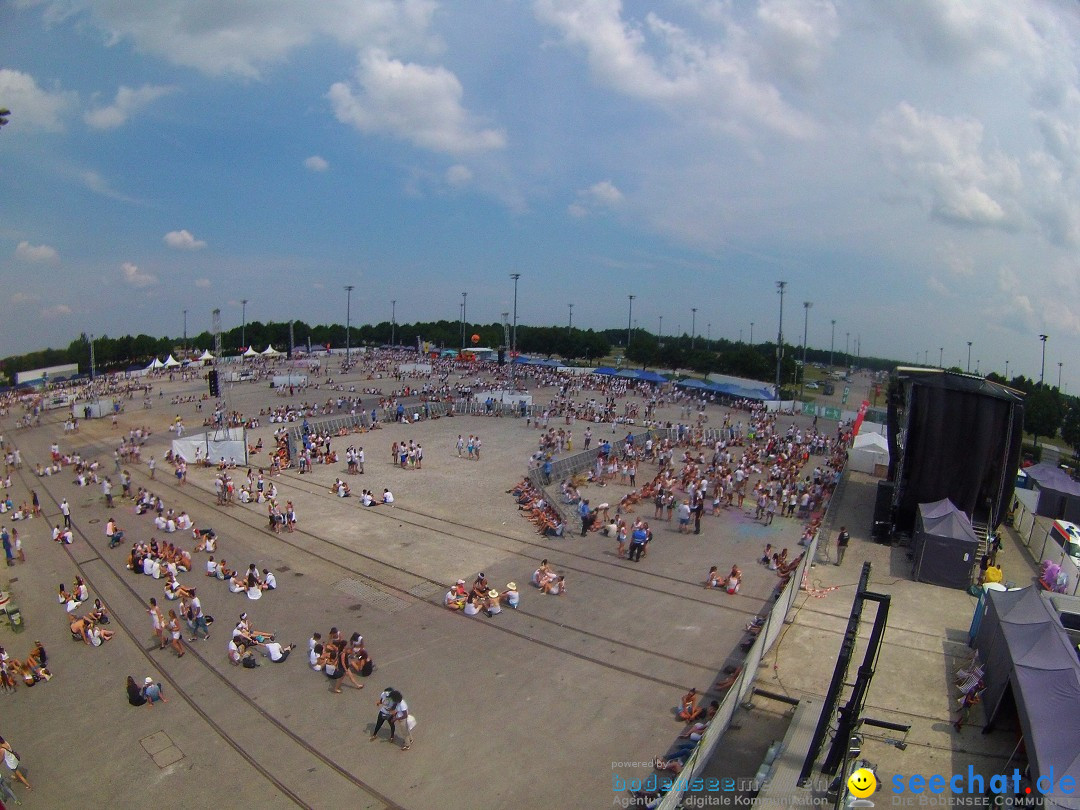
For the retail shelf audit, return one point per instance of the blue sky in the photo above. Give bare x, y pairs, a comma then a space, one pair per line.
912, 168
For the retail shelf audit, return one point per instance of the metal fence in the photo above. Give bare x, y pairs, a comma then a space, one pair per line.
1034, 534
770, 632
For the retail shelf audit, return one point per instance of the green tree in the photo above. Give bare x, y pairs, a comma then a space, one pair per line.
1044, 411
1070, 425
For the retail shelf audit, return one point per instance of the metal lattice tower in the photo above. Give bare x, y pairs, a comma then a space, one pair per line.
216, 328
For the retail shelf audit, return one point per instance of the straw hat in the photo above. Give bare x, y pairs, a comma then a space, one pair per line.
511, 586
494, 594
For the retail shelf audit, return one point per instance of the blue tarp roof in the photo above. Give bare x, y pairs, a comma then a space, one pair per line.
605, 371
728, 389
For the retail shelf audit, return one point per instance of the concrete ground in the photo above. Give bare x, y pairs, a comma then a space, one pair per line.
530, 708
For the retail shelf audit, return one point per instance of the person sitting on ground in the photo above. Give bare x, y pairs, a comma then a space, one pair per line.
472, 605
387, 497
98, 635
511, 595
236, 650
152, 692
689, 711
456, 596
555, 586
80, 629
731, 674
541, 573
480, 586
492, 606
223, 571
206, 540
134, 693
366, 499
269, 581
734, 580
713, 579
275, 652
237, 584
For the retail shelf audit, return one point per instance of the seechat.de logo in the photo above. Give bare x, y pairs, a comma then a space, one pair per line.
862, 784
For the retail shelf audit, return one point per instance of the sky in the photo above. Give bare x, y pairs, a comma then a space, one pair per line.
911, 169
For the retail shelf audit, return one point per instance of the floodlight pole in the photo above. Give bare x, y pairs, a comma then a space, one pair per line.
348, 320
780, 286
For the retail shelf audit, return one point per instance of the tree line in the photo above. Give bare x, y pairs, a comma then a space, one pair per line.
1047, 412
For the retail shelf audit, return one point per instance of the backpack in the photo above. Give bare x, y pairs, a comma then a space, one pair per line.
249, 661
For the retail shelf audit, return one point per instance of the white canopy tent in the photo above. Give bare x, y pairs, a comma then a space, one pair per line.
205, 356
250, 352
154, 365
171, 362
271, 352
869, 454
230, 444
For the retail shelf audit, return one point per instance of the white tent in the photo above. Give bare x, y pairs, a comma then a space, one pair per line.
230, 444
250, 352
156, 364
870, 454
205, 356
170, 362
271, 352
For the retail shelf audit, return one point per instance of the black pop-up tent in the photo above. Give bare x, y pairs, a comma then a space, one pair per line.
1059, 494
1026, 653
945, 545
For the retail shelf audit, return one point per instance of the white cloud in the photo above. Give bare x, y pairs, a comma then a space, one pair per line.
599, 195
458, 176
418, 103
945, 161
30, 105
983, 34
57, 311
316, 164
202, 283
796, 36
99, 185
22, 298
37, 254
657, 61
183, 240
127, 101
136, 277
241, 40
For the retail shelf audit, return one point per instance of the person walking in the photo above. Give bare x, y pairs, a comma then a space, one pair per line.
841, 544
387, 712
11, 759
65, 510
198, 618
158, 621
402, 717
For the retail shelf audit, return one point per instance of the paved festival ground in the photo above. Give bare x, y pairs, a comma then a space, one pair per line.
530, 708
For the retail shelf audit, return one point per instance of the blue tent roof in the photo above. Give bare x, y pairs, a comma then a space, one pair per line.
652, 376
605, 371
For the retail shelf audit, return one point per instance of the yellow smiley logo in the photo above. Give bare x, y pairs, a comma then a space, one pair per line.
862, 783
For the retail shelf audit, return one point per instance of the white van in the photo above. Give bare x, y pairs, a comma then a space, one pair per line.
1067, 535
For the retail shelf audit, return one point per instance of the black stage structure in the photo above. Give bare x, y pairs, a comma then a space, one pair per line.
955, 436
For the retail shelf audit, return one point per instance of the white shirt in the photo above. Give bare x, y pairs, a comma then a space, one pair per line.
388, 497
273, 649
271, 580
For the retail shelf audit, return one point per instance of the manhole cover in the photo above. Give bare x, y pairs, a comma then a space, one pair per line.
370, 596
94, 520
